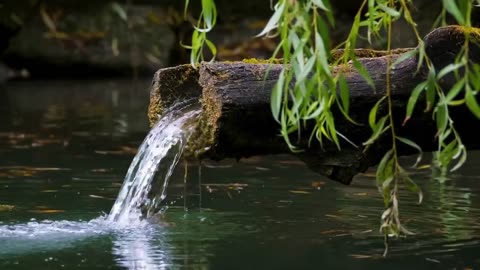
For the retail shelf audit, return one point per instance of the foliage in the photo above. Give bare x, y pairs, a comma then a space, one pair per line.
308, 87
205, 23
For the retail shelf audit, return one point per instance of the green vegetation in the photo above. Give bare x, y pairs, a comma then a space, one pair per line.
304, 31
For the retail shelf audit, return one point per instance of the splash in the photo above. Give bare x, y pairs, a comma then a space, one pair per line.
145, 184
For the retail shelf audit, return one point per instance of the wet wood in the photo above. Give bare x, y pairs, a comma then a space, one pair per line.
237, 121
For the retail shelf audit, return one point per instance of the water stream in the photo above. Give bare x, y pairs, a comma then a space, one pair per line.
145, 184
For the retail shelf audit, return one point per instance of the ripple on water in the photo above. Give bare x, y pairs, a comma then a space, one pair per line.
52, 235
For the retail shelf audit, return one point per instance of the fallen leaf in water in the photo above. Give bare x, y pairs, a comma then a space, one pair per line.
129, 150
299, 192
101, 170
332, 231
317, 184
262, 168
46, 211
360, 256
423, 167
96, 196
6, 207
360, 194
291, 162
369, 174
213, 166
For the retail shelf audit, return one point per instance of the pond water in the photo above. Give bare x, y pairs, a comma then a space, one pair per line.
65, 147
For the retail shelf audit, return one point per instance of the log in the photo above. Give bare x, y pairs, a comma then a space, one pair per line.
237, 122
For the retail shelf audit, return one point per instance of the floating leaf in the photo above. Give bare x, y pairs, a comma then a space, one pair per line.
6, 207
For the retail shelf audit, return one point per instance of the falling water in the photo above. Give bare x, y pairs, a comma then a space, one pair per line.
145, 184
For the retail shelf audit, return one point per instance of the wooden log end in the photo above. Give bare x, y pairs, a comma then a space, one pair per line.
170, 86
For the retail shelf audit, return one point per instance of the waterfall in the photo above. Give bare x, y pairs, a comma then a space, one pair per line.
145, 184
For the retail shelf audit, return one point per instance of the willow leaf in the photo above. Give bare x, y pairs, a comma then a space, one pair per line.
413, 99
273, 22
413, 145
472, 102
373, 113
277, 96
449, 68
363, 71
452, 8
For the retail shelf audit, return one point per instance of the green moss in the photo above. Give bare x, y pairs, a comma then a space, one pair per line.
471, 31
205, 132
262, 61
167, 89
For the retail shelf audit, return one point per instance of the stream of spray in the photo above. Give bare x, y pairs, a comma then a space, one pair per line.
145, 184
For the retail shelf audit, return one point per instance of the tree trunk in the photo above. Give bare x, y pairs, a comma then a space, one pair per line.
237, 122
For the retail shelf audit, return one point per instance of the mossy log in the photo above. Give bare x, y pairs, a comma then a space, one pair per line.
237, 122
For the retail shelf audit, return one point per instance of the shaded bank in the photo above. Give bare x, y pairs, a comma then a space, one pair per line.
54, 38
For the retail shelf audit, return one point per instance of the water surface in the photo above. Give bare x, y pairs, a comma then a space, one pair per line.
65, 148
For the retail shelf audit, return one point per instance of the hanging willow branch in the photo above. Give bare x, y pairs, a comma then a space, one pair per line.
307, 88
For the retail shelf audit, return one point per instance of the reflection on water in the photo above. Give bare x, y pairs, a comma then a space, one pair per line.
259, 213
91, 107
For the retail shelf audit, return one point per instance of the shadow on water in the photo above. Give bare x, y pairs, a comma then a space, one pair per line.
61, 170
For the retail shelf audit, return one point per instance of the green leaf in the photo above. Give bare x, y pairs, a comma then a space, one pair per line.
185, 10
413, 99
273, 22
307, 69
212, 48
431, 89
383, 173
405, 56
322, 54
209, 12
413, 145
451, 7
277, 96
462, 153
364, 73
412, 186
441, 117
120, 11
372, 117
320, 4
344, 93
390, 11
449, 68
455, 90
378, 130
472, 102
